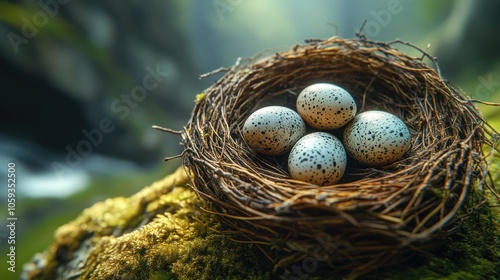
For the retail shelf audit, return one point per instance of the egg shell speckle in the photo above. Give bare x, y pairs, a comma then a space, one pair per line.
318, 158
376, 138
326, 106
273, 130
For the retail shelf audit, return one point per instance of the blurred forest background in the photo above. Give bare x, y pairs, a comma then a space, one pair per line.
83, 81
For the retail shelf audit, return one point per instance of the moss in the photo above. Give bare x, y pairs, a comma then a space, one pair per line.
175, 245
220, 258
200, 97
159, 233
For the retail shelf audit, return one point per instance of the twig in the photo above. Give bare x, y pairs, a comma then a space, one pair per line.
167, 129
216, 71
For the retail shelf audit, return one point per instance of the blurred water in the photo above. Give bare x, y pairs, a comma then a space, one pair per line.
36, 176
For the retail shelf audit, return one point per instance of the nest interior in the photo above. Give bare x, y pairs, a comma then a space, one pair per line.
374, 216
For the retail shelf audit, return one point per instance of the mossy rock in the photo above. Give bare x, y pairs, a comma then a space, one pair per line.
163, 232
159, 233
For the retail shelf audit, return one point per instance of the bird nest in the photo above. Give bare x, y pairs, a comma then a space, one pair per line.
374, 216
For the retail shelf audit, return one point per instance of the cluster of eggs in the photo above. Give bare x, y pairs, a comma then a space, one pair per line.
372, 138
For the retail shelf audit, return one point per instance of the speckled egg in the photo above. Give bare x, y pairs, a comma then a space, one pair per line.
376, 138
326, 106
273, 130
318, 158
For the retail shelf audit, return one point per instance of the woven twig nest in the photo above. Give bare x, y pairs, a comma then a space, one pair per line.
373, 216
